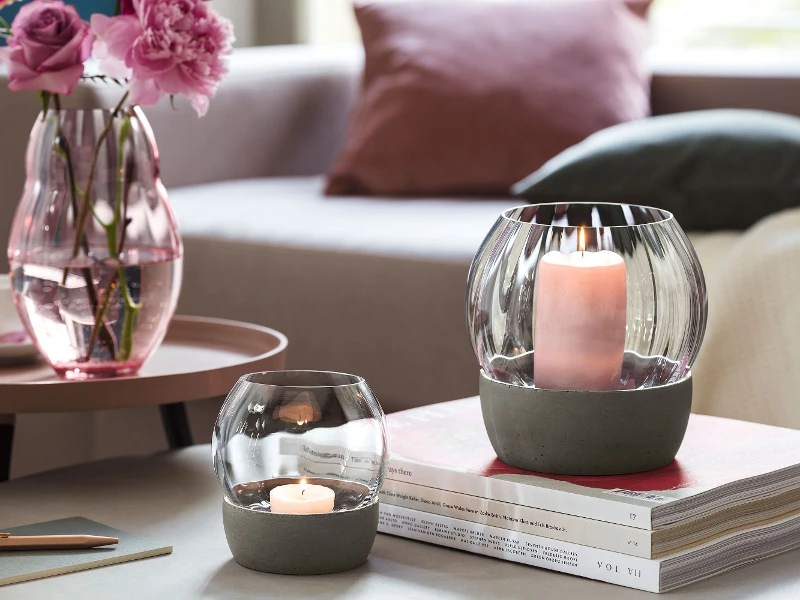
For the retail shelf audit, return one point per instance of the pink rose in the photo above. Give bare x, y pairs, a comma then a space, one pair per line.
166, 47
48, 47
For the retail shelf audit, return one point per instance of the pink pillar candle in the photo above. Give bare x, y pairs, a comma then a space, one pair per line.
579, 327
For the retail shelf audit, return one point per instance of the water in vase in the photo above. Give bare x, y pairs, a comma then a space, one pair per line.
98, 319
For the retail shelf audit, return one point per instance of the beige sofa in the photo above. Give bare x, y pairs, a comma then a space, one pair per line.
373, 286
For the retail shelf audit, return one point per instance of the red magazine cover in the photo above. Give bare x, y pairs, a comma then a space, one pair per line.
715, 451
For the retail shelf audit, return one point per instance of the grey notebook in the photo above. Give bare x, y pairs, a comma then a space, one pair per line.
25, 565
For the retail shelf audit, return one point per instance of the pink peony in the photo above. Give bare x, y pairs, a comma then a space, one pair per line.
48, 47
166, 47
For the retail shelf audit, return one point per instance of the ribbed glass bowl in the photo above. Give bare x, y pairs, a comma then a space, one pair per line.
644, 310
283, 427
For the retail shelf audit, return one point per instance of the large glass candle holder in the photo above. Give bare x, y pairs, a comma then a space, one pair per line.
300, 456
592, 304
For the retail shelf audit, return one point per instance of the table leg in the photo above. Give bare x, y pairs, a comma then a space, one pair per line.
6, 445
176, 425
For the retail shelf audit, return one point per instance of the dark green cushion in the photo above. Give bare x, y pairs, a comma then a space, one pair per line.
714, 169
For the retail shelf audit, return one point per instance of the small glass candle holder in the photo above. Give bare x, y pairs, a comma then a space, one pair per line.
301, 457
586, 319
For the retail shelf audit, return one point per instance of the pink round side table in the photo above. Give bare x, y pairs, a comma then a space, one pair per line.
200, 358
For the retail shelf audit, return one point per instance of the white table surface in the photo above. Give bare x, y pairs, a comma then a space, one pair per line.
174, 497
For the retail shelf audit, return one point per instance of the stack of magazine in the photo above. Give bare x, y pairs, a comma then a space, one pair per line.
731, 497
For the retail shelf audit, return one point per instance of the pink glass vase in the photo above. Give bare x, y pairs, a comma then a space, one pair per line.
95, 250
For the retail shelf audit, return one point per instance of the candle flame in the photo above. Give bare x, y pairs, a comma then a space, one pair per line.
303, 484
581, 240
301, 422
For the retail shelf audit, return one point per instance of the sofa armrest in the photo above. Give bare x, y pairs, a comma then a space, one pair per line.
282, 111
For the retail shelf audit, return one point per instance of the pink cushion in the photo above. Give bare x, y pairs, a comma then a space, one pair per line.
468, 97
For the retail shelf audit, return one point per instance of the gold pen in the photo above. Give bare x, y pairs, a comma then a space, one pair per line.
53, 542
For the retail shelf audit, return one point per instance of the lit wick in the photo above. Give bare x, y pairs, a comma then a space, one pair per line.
581, 240
303, 487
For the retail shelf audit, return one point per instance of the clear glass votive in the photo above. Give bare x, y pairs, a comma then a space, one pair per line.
301, 429
604, 296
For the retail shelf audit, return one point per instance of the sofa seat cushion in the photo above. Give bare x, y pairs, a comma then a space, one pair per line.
292, 212
370, 286
374, 286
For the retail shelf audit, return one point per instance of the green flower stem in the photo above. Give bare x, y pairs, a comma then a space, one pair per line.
114, 249
125, 347
83, 212
129, 320
101, 328
100, 316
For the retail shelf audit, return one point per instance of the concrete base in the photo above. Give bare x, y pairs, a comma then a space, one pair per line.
586, 433
300, 544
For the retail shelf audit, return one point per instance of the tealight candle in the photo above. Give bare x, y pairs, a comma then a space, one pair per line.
579, 333
301, 498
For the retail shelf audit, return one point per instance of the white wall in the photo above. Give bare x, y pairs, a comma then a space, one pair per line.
326, 22
261, 22
241, 13
266, 22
